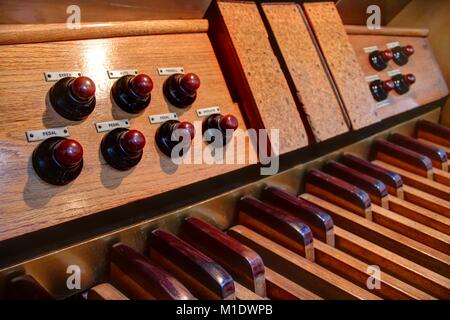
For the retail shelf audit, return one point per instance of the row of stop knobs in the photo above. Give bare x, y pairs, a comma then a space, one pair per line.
400, 55
59, 160
74, 98
399, 83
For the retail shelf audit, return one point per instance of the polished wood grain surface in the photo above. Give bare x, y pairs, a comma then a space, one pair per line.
318, 220
141, 278
105, 291
298, 269
388, 31
277, 225
386, 238
203, 276
244, 264
34, 33
433, 132
339, 192
429, 86
27, 203
427, 200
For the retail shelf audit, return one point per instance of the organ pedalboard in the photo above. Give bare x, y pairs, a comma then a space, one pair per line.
92, 122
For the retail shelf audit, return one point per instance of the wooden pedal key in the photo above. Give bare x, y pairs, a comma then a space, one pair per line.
26, 287
375, 188
277, 225
433, 132
105, 291
403, 158
339, 192
203, 276
244, 264
141, 279
317, 219
437, 155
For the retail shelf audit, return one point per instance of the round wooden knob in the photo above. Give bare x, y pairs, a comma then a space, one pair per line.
133, 141
388, 85
190, 82
408, 50
387, 54
229, 122
142, 84
409, 78
188, 127
68, 152
83, 88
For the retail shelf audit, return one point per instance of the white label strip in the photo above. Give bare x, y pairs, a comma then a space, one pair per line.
110, 125
381, 104
57, 75
370, 49
170, 71
39, 135
391, 45
372, 78
158, 118
115, 74
392, 73
207, 111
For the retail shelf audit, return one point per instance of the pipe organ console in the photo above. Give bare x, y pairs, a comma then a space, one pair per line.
91, 123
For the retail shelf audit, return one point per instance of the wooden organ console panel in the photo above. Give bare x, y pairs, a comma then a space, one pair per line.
315, 230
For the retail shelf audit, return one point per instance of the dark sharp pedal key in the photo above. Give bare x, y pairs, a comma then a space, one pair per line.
375, 188
403, 158
278, 225
391, 179
339, 192
433, 132
140, 278
317, 219
206, 278
437, 155
26, 287
244, 264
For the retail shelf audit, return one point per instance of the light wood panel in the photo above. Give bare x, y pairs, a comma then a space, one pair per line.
27, 203
342, 62
314, 89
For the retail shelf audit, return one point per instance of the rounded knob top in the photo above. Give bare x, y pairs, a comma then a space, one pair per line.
68, 152
142, 84
133, 141
408, 50
190, 82
387, 54
188, 127
83, 88
229, 122
388, 85
410, 78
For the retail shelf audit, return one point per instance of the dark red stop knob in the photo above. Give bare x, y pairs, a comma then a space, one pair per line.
142, 84
410, 78
188, 127
68, 152
387, 54
133, 141
190, 82
229, 122
388, 85
408, 50
83, 88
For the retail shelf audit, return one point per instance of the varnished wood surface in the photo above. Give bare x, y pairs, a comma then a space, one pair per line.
241, 42
384, 237
27, 203
433, 132
26, 287
427, 200
34, 33
341, 59
430, 84
387, 31
105, 291
244, 264
314, 89
300, 270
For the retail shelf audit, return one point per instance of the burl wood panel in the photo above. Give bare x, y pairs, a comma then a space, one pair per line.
27, 203
239, 33
314, 89
430, 84
342, 62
